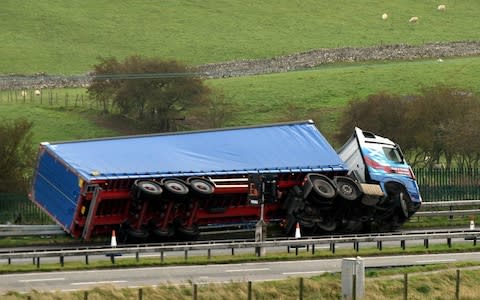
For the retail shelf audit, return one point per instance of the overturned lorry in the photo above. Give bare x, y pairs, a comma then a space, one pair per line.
186, 183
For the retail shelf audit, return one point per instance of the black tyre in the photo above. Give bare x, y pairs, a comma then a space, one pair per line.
327, 225
137, 233
164, 232
201, 186
175, 186
347, 188
321, 184
146, 189
191, 233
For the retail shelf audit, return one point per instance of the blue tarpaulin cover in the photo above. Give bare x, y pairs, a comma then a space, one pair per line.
275, 148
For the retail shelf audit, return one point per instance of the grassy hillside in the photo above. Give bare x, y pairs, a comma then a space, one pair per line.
318, 93
66, 37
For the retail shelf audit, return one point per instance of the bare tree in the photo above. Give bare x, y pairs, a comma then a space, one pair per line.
153, 92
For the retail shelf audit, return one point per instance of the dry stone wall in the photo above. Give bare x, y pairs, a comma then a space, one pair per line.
297, 61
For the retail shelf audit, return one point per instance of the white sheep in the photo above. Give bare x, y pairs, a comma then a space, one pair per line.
37, 93
442, 7
413, 19
384, 16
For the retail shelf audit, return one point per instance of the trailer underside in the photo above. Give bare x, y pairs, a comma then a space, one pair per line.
161, 208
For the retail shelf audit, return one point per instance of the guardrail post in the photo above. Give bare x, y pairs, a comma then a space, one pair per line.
233, 251
313, 249
449, 242
186, 255
379, 245
209, 253
425, 243
61, 261
86, 259
112, 259
137, 257
402, 244
332, 247
9, 260
288, 249
33, 260
38, 262
161, 256
475, 241
356, 246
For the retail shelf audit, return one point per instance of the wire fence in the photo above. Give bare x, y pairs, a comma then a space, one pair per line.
18, 209
449, 184
50, 97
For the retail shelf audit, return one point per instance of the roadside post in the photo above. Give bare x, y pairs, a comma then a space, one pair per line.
353, 278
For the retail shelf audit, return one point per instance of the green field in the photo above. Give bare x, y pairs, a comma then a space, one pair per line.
66, 37
59, 37
319, 93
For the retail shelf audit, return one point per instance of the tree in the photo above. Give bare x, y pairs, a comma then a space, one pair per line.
440, 121
381, 113
16, 155
437, 125
153, 92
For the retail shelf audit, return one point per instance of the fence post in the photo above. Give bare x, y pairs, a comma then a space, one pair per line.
301, 289
85, 295
194, 291
457, 286
249, 290
405, 286
140, 294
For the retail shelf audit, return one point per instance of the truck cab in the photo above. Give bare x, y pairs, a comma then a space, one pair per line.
377, 161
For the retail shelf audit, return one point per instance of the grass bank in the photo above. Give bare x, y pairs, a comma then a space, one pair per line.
61, 37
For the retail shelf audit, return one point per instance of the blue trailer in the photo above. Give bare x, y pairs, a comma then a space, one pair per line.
180, 184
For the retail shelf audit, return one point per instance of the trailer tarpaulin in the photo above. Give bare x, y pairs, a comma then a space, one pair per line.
275, 148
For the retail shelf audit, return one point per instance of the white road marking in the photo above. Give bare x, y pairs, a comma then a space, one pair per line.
41, 279
98, 282
247, 270
306, 272
435, 261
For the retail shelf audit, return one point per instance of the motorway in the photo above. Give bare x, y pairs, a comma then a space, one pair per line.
153, 276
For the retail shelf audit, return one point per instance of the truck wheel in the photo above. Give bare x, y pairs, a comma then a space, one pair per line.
328, 225
191, 233
164, 232
140, 234
321, 184
201, 186
403, 205
175, 186
146, 189
347, 188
